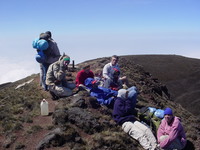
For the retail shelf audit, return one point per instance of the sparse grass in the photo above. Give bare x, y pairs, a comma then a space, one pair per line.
18, 105
33, 129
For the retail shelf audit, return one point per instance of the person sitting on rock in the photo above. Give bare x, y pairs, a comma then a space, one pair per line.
170, 133
104, 96
98, 76
82, 76
113, 82
56, 78
123, 114
108, 71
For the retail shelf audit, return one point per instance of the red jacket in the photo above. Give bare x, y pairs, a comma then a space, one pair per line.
82, 75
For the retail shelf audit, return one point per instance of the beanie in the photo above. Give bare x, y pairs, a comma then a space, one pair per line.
168, 111
44, 36
49, 33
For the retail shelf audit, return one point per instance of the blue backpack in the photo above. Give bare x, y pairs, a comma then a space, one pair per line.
41, 46
40, 57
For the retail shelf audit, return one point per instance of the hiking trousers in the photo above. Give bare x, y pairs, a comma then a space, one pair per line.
62, 91
141, 133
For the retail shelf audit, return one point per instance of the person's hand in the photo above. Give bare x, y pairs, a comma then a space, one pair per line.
123, 78
57, 82
80, 85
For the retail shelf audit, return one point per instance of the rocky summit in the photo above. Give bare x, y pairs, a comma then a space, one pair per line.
78, 122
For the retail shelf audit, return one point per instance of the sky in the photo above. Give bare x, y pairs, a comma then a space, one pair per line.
89, 29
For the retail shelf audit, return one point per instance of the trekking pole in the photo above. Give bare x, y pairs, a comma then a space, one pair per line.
73, 64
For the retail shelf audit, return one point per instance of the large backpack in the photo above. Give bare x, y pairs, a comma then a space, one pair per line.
41, 45
151, 116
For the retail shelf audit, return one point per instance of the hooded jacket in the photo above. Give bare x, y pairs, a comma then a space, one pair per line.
123, 110
174, 130
104, 96
56, 72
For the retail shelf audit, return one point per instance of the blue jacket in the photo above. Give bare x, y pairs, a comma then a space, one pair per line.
104, 96
123, 110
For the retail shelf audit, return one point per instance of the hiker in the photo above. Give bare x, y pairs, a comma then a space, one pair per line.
123, 114
82, 76
108, 68
56, 78
104, 96
46, 56
114, 82
170, 133
52, 54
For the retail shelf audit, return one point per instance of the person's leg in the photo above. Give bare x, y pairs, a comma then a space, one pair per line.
41, 74
71, 85
60, 91
149, 135
136, 131
45, 68
132, 94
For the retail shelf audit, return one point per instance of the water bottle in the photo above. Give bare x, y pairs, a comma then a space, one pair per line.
44, 108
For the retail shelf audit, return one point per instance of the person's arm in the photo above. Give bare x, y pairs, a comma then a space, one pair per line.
59, 72
106, 71
160, 131
78, 79
91, 74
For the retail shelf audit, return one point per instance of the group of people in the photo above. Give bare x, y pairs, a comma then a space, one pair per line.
110, 89
170, 134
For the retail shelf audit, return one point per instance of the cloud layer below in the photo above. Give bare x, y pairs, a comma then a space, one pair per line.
13, 71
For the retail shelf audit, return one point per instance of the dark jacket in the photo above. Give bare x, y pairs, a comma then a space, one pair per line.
123, 110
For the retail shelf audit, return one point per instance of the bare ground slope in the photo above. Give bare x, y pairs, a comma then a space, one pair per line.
180, 74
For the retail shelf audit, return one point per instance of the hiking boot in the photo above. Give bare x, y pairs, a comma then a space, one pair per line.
53, 96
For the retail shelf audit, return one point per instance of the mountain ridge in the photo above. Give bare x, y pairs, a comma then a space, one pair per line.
100, 132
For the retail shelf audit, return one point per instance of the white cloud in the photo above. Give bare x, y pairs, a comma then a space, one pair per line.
12, 71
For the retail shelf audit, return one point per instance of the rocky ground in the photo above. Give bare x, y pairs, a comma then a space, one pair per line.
78, 122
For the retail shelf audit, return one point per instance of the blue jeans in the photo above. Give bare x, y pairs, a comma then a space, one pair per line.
132, 94
43, 71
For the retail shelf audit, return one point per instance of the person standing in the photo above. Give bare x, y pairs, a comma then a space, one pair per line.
52, 54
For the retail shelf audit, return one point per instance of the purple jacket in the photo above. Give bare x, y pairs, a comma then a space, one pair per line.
174, 130
123, 110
